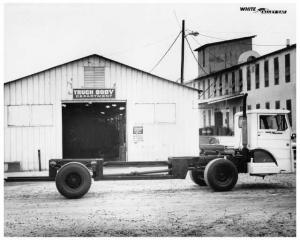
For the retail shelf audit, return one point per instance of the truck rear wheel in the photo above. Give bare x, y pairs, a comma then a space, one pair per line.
221, 174
198, 177
73, 180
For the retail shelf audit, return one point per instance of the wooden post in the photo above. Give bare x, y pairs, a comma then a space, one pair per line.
182, 51
39, 157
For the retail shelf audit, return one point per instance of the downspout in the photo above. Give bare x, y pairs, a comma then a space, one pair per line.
245, 150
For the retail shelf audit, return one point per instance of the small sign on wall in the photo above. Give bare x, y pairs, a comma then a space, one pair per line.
138, 132
94, 93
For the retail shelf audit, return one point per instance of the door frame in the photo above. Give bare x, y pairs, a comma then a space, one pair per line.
95, 101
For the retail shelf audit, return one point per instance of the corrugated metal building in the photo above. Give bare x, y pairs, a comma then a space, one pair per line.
97, 107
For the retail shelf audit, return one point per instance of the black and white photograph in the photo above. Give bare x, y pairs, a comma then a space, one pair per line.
149, 119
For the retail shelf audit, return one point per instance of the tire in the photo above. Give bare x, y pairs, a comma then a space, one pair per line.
198, 178
73, 180
220, 174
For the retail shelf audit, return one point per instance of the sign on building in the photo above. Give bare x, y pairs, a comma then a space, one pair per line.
94, 93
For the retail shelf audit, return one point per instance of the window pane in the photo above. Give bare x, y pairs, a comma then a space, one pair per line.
289, 107
18, 115
266, 66
248, 79
276, 71
276, 122
267, 105
281, 122
287, 68
256, 75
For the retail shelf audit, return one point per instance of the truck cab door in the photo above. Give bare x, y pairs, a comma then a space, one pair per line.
274, 135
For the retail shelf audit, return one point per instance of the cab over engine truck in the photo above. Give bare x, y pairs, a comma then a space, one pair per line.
263, 147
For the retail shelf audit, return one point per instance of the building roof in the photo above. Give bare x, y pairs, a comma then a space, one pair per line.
223, 42
97, 55
244, 63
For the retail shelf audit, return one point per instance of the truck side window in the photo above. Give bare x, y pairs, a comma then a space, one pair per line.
276, 122
281, 122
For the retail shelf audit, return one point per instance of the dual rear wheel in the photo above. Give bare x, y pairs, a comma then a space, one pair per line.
219, 174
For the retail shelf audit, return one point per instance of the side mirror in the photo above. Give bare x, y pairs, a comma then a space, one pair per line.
240, 122
293, 136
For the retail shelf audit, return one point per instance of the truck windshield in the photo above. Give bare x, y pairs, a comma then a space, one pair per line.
276, 122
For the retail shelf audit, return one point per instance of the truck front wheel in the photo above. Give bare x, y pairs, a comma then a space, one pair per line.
73, 180
198, 178
220, 174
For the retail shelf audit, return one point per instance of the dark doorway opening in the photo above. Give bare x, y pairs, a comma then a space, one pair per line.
218, 119
94, 130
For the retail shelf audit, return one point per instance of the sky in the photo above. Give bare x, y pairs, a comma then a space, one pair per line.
39, 36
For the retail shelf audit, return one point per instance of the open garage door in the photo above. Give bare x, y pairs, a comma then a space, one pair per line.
94, 130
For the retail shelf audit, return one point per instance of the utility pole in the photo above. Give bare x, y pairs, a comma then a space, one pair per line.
182, 51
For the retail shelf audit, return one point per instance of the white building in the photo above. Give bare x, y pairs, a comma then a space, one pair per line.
269, 80
95, 107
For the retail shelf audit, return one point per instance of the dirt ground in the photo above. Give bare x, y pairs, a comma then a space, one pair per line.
255, 207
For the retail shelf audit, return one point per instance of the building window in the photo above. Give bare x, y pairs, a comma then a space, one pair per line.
220, 86
200, 94
287, 68
289, 107
30, 115
203, 59
276, 71
208, 88
215, 86
241, 108
227, 119
94, 77
266, 67
258, 106
233, 82
209, 117
267, 105
249, 107
233, 113
204, 119
204, 90
226, 84
248, 79
277, 104
241, 79
256, 76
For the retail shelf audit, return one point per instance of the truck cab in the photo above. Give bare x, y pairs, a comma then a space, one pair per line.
269, 140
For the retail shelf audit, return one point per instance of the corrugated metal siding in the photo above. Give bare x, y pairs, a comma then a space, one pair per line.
55, 85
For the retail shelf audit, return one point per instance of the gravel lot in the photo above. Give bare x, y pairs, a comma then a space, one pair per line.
255, 207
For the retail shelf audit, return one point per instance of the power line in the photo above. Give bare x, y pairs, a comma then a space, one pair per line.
174, 12
166, 52
209, 52
194, 55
